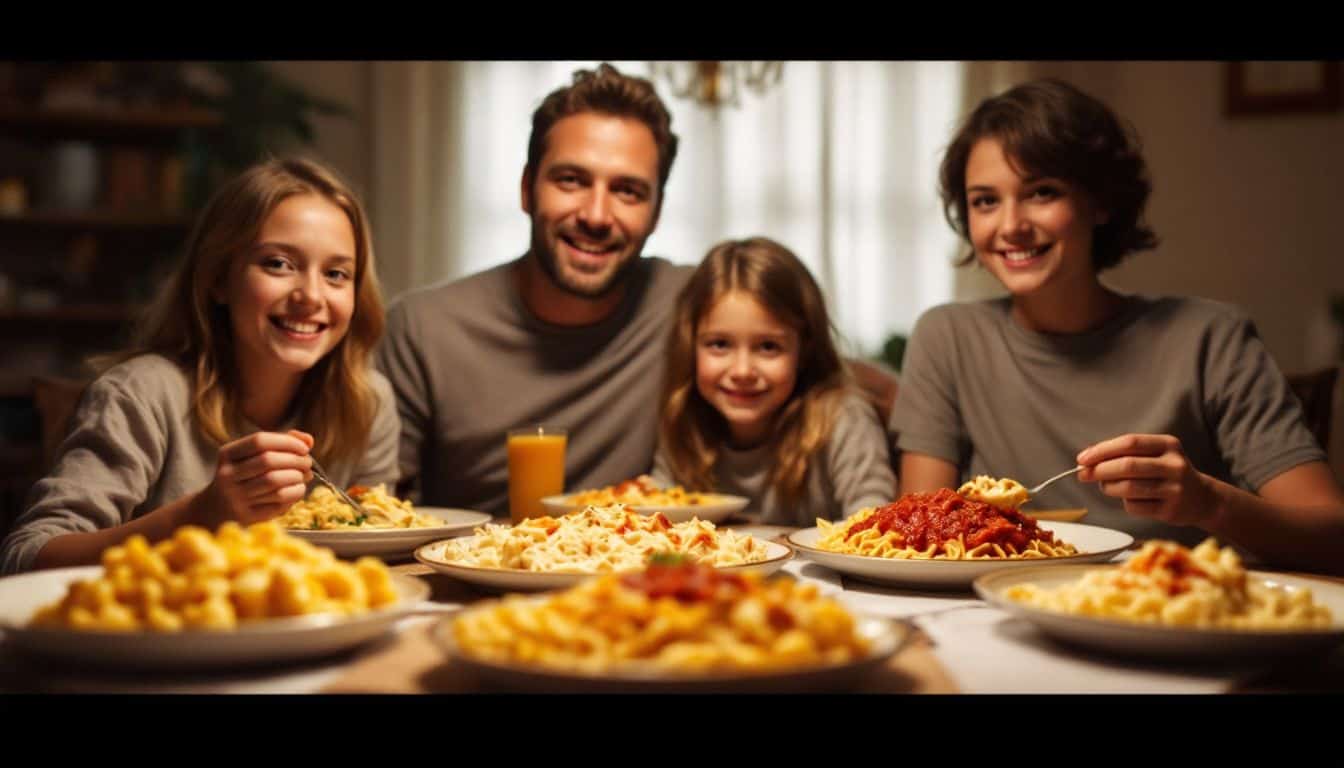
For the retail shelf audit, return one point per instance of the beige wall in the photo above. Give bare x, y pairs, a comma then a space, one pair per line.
1248, 209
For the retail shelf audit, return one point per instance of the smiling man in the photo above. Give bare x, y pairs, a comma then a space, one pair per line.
571, 334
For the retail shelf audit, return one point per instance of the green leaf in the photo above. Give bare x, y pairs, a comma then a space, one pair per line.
893, 351
668, 558
262, 112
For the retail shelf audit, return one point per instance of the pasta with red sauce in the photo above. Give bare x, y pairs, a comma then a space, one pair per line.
941, 525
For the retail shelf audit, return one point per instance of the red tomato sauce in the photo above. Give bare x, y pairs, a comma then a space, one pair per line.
687, 582
921, 519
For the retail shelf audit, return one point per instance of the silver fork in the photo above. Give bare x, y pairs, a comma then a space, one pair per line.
1041, 487
321, 475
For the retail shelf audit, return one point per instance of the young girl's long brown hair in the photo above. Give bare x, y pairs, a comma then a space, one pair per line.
691, 430
188, 327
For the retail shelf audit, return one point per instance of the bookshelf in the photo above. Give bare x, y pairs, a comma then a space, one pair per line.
95, 206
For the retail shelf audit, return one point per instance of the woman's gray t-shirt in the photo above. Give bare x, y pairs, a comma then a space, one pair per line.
993, 398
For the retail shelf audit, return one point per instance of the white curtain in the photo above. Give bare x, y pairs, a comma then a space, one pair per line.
838, 161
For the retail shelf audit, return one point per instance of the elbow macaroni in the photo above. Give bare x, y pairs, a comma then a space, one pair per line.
198, 581
1166, 583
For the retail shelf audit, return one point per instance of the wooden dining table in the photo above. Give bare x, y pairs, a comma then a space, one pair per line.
955, 643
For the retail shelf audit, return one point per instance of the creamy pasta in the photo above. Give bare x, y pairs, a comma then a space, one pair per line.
323, 510
1166, 583
600, 540
675, 618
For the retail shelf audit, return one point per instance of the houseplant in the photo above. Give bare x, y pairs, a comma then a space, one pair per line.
262, 114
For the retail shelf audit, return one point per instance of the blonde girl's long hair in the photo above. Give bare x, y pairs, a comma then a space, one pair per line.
691, 430
187, 326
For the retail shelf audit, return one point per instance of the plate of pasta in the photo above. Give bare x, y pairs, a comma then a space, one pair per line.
676, 626
942, 540
393, 527
644, 495
554, 552
197, 600
1169, 601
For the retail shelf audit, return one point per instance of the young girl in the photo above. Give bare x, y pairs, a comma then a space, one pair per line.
254, 358
757, 402
1171, 405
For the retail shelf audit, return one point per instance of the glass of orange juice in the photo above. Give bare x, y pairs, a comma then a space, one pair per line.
536, 469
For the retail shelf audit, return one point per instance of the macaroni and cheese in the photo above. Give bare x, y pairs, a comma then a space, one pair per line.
198, 581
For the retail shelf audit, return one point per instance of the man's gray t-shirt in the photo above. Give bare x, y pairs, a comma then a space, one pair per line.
469, 361
852, 471
133, 446
981, 391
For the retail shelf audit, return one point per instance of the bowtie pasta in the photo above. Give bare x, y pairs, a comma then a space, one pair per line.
599, 540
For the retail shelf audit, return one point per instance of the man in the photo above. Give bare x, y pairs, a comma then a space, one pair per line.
571, 334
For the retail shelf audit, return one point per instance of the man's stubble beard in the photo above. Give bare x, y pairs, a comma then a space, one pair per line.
550, 267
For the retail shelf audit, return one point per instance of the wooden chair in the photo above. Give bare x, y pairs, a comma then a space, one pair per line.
55, 399
1316, 390
878, 383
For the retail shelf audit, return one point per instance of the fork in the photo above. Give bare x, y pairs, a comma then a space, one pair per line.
321, 475
1041, 487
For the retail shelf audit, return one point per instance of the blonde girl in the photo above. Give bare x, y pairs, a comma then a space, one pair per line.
253, 359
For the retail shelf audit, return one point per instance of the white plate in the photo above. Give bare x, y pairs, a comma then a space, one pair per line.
1094, 544
1073, 515
1158, 641
886, 639
719, 508
509, 579
394, 542
265, 641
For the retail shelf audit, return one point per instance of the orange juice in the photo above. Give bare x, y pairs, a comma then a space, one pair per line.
536, 469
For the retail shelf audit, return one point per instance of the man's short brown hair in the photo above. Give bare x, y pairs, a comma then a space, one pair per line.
606, 91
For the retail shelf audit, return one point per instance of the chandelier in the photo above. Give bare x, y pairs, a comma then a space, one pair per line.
716, 83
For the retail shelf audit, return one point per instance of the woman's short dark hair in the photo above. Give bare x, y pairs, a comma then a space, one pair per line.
1050, 128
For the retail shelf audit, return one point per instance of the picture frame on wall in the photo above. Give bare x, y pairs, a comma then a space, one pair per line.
1282, 87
